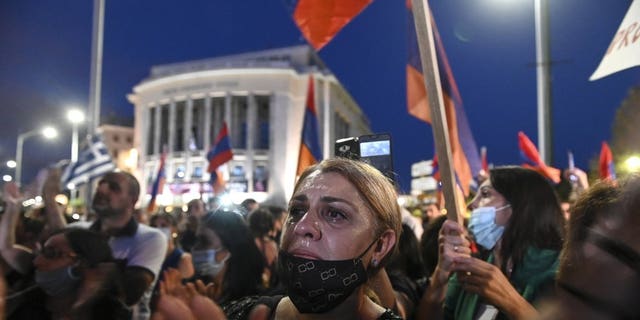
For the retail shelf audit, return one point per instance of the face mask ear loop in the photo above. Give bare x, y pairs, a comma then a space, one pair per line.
367, 249
503, 207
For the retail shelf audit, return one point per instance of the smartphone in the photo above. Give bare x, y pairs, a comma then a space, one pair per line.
375, 149
347, 148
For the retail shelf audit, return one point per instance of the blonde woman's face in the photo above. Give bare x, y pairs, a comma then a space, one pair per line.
328, 219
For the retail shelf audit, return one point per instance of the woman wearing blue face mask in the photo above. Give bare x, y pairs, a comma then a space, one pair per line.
516, 220
226, 258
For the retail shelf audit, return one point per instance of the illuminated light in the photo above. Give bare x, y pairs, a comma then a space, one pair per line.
71, 185
7, 178
75, 116
132, 160
168, 209
633, 164
62, 199
38, 199
180, 174
185, 208
11, 164
75, 216
49, 132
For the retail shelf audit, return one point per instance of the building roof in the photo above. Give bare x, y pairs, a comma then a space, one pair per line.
299, 58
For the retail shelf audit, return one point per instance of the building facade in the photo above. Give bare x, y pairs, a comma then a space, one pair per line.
261, 97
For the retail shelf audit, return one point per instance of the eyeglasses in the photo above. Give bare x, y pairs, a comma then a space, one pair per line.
51, 253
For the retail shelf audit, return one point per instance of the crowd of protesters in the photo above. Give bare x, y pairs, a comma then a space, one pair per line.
342, 249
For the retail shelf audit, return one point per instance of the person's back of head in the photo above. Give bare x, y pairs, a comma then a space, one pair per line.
599, 272
261, 222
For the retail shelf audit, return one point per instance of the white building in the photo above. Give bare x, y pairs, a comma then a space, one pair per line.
261, 96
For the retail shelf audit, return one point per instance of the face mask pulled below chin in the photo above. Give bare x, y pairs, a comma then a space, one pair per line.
57, 282
317, 286
483, 227
205, 264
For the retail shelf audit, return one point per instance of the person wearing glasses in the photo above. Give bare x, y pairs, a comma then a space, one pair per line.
142, 247
73, 274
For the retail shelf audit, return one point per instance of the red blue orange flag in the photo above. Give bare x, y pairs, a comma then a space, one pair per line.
158, 184
466, 161
607, 171
532, 159
320, 20
220, 152
310, 152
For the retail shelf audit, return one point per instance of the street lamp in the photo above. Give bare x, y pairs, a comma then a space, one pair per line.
47, 132
75, 116
11, 164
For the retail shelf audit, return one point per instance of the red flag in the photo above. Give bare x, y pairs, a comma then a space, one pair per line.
466, 161
158, 184
310, 152
607, 171
320, 20
530, 155
220, 153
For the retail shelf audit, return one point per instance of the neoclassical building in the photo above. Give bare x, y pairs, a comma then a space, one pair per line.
261, 96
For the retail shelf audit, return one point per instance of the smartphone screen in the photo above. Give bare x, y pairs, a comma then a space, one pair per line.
376, 150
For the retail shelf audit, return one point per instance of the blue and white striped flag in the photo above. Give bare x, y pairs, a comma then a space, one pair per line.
93, 161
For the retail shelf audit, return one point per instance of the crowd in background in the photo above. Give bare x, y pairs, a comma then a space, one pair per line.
343, 248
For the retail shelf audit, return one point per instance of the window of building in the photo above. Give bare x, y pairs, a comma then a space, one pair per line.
152, 131
238, 128
217, 117
164, 126
180, 171
260, 178
198, 170
262, 139
180, 129
197, 125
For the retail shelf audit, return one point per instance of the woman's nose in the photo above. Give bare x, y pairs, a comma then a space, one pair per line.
308, 226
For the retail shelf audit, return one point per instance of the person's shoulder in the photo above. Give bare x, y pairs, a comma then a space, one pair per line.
147, 232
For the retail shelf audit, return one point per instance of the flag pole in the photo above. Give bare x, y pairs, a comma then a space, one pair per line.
424, 32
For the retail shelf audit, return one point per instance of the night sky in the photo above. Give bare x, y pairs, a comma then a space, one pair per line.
45, 61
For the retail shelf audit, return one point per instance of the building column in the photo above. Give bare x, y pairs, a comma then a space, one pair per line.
172, 126
186, 139
157, 131
326, 120
206, 140
252, 119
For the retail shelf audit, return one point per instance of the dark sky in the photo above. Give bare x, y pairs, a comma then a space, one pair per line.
45, 61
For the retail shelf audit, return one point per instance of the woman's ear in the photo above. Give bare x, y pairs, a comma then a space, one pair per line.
383, 248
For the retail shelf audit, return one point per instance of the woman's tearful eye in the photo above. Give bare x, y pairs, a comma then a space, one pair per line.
334, 215
296, 213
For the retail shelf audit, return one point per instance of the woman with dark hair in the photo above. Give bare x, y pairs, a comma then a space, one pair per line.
516, 219
226, 256
261, 225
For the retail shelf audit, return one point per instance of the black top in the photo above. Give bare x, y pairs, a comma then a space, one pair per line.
240, 309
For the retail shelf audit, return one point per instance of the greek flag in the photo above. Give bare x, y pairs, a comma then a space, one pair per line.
93, 161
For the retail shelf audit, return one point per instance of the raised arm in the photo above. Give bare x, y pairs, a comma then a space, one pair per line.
452, 245
50, 189
17, 257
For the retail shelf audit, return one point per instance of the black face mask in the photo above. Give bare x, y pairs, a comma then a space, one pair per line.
317, 286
